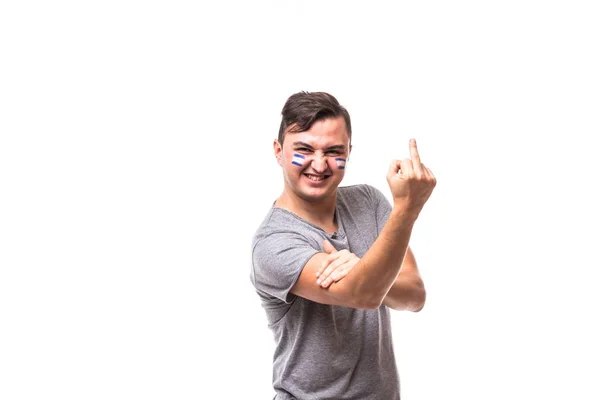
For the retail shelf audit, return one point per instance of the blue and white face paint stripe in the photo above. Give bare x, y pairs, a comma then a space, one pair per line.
341, 163
298, 160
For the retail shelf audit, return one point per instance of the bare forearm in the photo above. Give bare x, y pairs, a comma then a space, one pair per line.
377, 270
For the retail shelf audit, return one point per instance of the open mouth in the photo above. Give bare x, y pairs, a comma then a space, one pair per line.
316, 178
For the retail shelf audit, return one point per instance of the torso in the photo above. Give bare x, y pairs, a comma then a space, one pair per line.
326, 351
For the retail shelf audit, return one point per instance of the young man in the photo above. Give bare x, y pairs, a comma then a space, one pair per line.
329, 262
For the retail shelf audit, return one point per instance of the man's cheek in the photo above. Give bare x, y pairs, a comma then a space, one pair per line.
298, 160
340, 162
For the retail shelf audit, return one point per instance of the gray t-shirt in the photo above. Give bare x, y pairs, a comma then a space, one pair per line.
324, 351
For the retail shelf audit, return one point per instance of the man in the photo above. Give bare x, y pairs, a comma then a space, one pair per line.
329, 262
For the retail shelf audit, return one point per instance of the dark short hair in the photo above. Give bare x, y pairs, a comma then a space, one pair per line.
303, 109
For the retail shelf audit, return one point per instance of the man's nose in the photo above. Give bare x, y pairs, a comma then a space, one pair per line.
319, 163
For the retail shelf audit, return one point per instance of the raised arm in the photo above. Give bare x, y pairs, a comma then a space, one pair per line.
368, 283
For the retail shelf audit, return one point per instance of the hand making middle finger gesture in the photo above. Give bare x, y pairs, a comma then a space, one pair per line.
410, 181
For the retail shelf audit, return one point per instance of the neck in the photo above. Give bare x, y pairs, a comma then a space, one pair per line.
320, 213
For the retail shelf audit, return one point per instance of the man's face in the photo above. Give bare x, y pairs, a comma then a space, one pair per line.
313, 161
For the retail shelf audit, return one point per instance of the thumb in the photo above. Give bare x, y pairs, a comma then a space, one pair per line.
328, 247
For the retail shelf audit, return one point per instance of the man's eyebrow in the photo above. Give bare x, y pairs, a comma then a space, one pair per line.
335, 147
302, 144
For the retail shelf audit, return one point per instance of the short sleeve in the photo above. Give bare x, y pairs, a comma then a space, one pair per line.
277, 261
383, 208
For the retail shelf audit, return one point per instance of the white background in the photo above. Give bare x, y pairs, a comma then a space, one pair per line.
136, 163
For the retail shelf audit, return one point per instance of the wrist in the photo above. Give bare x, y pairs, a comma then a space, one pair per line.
402, 211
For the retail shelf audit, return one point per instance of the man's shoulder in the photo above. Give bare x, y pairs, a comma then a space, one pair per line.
276, 220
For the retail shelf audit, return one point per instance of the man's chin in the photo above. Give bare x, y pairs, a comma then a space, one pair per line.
315, 195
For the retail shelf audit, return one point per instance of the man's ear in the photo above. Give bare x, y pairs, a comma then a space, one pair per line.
349, 151
278, 151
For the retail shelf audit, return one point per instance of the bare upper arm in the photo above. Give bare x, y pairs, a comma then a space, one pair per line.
408, 291
339, 293
409, 265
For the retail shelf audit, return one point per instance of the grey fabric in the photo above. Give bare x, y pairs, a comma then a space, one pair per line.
323, 351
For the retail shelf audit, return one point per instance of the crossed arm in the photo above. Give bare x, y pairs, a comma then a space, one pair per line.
386, 274
406, 293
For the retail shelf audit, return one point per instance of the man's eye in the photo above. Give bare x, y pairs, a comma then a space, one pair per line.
334, 152
303, 149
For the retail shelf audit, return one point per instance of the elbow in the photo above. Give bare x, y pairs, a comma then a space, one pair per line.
419, 300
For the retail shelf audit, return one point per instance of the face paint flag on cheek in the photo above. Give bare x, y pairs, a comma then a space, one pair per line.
298, 160
341, 163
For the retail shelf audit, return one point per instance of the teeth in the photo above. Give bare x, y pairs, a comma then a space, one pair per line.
315, 178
